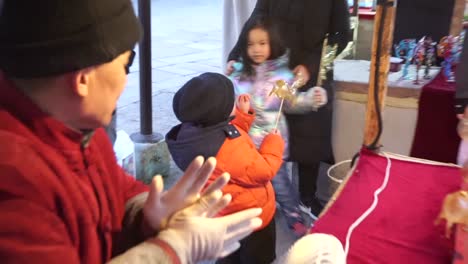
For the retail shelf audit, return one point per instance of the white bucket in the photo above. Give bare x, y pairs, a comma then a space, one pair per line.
330, 178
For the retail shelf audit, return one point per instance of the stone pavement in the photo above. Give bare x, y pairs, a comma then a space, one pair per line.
186, 41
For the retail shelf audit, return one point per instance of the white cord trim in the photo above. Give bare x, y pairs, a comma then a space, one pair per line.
371, 208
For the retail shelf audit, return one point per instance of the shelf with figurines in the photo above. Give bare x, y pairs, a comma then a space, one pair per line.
425, 53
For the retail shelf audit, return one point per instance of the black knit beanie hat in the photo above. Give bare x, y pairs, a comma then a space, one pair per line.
40, 38
205, 100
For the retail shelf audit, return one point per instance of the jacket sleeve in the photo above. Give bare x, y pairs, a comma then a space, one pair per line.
34, 234
338, 30
148, 253
461, 95
31, 231
243, 120
133, 195
257, 167
127, 185
134, 230
261, 9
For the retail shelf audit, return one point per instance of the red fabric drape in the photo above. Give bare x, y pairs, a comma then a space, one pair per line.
436, 137
401, 229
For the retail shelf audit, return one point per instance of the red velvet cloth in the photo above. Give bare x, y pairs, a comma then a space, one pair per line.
364, 13
461, 246
461, 242
401, 229
436, 137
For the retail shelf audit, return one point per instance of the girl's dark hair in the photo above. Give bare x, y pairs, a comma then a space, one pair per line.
277, 47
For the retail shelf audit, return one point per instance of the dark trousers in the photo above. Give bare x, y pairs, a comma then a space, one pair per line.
258, 248
308, 175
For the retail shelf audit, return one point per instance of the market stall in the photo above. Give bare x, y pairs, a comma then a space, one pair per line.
387, 208
351, 84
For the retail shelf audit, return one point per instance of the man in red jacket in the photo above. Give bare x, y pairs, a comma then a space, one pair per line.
63, 198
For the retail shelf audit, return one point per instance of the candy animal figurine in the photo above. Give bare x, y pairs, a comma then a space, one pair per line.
455, 207
405, 51
284, 91
418, 58
430, 50
447, 49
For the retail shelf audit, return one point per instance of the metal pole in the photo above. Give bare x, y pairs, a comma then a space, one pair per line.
151, 155
146, 124
355, 8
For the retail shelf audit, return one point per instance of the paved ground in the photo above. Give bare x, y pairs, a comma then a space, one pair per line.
186, 41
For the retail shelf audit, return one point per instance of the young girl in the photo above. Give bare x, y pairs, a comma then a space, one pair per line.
264, 60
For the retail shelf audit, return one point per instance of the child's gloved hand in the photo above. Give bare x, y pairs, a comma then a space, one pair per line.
194, 237
243, 103
319, 96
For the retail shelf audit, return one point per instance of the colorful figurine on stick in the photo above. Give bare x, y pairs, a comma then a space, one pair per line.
405, 51
430, 51
450, 48
419, 57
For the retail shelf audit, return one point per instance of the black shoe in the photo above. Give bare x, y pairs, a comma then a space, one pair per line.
314, 204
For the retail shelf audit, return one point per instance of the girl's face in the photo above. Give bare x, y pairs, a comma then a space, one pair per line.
258, 45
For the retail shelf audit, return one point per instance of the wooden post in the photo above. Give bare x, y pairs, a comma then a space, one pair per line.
383, 36
456, 25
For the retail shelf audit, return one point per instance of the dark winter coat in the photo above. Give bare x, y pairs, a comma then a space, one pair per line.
303, 25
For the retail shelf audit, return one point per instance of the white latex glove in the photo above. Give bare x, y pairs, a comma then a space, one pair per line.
194, 237
160, 206
315, 249
318, 95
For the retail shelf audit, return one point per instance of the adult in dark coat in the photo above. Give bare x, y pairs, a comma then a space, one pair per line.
303, 25
461, 95
461, 102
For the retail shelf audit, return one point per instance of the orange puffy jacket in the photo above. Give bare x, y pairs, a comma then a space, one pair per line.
251, 170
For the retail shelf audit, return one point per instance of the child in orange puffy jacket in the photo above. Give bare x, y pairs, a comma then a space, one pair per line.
213, 126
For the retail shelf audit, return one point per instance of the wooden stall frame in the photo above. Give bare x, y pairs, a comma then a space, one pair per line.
380, 66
